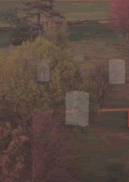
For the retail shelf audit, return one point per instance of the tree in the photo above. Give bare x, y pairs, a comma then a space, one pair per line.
19, 88
21, 79
24, 27
10, 15
24, 33
65, 75
30, 98
57, 33
21, 28
100, 82
45, 7
119, 16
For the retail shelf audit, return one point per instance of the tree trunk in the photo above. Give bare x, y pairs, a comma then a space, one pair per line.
38, 18
127, 37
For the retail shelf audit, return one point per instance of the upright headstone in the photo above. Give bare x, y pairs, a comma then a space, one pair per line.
77, 108
43, 70
116, 71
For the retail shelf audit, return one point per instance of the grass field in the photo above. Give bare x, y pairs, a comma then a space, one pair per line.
99, 148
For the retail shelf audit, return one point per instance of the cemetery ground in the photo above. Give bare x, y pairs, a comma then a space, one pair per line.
106, 141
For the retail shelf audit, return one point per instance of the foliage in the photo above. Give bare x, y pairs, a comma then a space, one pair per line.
100, 78
20, 87
57, 33
11, 161
23, 34
39, 8
10, 15
50, 31
19, 35
22, 27
119, 16
89, 87
63, 71
42, 7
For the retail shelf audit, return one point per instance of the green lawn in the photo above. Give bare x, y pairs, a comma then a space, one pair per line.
100, 149
113, 121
